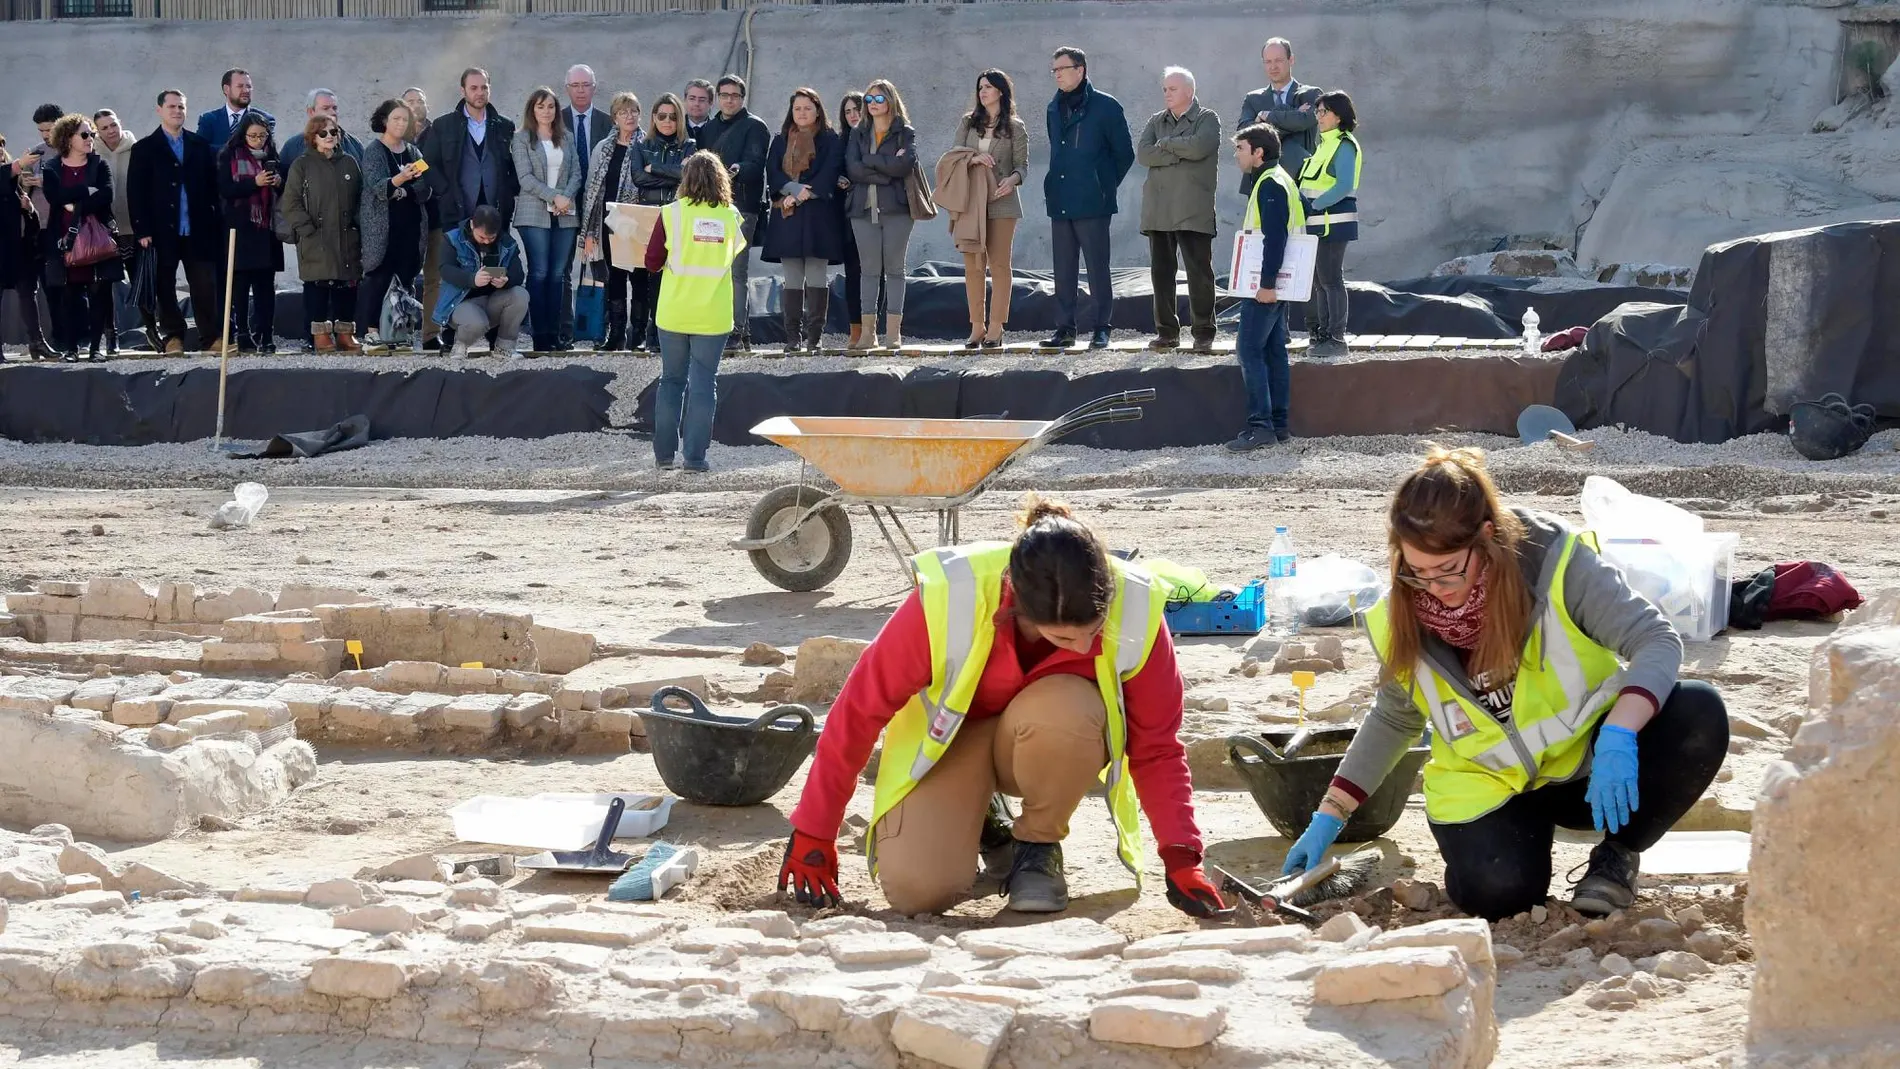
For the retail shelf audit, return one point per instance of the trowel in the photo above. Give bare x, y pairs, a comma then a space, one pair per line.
602, 860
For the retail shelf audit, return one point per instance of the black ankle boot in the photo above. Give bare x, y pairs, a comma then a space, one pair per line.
616, 326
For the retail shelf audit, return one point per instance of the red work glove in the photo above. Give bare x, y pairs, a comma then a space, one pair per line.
811, 868
1188, 889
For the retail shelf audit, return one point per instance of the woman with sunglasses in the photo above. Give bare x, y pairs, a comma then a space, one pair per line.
250, 178
1038, 669
662, 153
878, 158
613, 177
1550, 689
78, 186
322, 199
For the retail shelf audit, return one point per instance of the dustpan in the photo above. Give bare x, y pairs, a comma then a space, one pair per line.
602, 860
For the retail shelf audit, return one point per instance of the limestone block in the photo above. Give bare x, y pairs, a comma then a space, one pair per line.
1071, 937
1680, 965
307, 702
515, 682
150, 882
812, 1007
1157, 1022
525, 709
139, 712
1833, 794
840, 925
952, 1032
32, 873
1397, 973
470, 680
1472, 937
339, 892
292, 894
423, 866
170, 736
118, 598
498, 640
1342, 926
91, 902
271, 629
641, 693
304, 596
96, 694
740, 941
243, 601
222, 655
823, 663
51, 627
44, 604
417, 713
367, 678
478, 713
771, 923
877, 948
543, 906
1238, 941
319, 657
258, 714
477, 892
471, 924
58, 588
413, 675
358, 977
383, 918
1013, 997
593, 929
360, 714
560, 650
36, 694
223, 722
195, 689
85, 859
109, 629
1208, 966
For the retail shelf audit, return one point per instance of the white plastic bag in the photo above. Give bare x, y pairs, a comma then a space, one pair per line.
1613, 512
1665, 555
1329, 589
247, 500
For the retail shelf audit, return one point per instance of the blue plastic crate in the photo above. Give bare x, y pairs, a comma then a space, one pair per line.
1246, 614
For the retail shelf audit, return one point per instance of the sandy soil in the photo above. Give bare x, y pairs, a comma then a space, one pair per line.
649, 572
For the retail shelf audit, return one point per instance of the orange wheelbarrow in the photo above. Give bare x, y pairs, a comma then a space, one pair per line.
799, 535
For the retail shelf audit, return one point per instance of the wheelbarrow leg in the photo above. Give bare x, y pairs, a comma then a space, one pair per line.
903, 562
905, 531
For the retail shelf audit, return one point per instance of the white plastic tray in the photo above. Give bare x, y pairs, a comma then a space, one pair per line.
635, 823
536, 823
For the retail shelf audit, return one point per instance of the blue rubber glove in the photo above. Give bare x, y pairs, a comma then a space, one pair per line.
1612, 790
1311, 848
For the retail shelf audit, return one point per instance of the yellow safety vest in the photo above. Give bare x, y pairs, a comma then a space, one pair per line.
1566, 682
1316, 177
702, 240
962, 588
1296, 211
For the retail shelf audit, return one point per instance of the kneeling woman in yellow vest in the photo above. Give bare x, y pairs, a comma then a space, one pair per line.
1550, 689
1037, 669
698, 237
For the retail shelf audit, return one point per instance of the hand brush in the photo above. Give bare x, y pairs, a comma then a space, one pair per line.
664, 867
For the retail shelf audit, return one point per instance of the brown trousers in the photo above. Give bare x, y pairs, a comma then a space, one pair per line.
431, 284
1002, 232
1048, 748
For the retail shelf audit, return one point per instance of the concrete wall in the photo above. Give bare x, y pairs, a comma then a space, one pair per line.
1480, 119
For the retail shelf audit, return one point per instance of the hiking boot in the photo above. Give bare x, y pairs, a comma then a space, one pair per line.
996, 847
1609, 883
1251, 439
1035, 882
1165, 341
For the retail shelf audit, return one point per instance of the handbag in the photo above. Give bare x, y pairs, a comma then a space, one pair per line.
917, 190
590, 307
90, 243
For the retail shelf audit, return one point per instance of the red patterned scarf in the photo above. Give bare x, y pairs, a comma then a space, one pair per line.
1460, 626
246, 165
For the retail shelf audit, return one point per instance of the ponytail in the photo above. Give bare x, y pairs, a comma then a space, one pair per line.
1058, 568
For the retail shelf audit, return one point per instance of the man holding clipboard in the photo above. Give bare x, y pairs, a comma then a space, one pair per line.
1273, 262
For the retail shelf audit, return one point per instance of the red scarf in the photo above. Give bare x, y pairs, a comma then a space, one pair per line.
246, 165
1460, 626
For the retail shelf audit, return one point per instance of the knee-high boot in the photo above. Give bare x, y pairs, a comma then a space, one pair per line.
817, 305
616, 325
793, 301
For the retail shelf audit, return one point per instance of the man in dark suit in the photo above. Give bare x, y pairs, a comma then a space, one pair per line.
173, 202
215, 126
469, 152
588, 124
1285, 105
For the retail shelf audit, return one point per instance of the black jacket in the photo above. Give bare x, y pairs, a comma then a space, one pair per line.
156, 181
91, 195
19, 234
879, 170
742, 140
813, 230
442, 148
257, 246
661, 184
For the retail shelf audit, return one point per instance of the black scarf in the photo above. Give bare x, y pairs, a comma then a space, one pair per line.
1070, 102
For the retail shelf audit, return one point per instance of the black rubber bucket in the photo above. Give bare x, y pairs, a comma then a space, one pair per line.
1288, 779
710, 759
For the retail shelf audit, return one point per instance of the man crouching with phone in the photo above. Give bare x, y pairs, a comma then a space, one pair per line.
482, 290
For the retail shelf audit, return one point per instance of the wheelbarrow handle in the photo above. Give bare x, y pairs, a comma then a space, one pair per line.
1113, 400
1089, 419
777, 713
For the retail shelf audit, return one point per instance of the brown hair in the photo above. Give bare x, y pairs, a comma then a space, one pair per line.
1441, 508
823, 122
899, 117
532, 128
703, 180
64, 130
666, 100
1058, 568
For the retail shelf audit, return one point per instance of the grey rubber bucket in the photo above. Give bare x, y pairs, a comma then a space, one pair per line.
710, 759
1287, 779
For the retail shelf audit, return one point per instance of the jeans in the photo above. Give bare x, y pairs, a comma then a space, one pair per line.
254, 319
548, 249
882, 246
741, 291
501, 311
1261, 350
1075, 240
1196, 254
683, 409
804, 273
1328, 318
1499, 864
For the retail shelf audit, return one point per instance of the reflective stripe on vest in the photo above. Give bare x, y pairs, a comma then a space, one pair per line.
702, 240
1565, 682
1295, 210
1316, 175
961, 589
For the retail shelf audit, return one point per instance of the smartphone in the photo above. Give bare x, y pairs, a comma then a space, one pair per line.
421, 166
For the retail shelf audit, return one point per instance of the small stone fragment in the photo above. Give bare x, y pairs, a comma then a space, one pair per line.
1207, 966
1616, 965
1680, 965
877, 948
1341, 927
475, 925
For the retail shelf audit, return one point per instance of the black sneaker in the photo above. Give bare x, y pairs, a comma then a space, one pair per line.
1099, 340
1061, 339
1609, 881
1251, 439
997, 847
432, 345
1035, 882
1282, 435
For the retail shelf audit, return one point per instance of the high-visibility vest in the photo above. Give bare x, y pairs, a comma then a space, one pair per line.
961, 588
1316, 177
1295, 211
1566, 682
702, 240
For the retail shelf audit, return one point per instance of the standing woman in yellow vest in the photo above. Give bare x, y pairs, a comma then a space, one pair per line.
698, 237
1039, 669
1551, 692
1329, 184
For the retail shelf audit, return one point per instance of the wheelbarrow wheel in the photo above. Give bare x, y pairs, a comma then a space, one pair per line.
810, 558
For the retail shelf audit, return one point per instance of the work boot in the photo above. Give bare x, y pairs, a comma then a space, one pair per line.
817, 307
1609, 883
616, 326
1164, 342
319, 337
1035, 882
865, 338
997, 847
793, 303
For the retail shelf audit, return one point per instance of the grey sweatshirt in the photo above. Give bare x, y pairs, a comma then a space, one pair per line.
1600, 602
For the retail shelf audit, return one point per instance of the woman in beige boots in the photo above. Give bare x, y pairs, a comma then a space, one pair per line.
322, 197
879, 156
1001, 142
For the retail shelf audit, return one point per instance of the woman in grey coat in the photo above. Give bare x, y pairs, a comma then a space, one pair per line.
393, 219
878, 157
550, 173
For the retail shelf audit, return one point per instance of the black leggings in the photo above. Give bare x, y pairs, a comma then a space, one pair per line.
640, 290
1327, 314
254, 307
330, 302
1498, 865
83, 311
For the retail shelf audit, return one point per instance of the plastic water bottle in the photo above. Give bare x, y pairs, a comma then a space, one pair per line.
1533, 341
1282, 565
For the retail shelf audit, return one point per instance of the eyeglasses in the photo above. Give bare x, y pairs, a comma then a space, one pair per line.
1065, 67
732, 96
580, 85
1442, 579
876, 98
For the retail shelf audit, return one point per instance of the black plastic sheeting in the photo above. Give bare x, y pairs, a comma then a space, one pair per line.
96, 406
1770, 320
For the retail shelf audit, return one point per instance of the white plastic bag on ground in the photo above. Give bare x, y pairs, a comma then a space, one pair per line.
247, 500
1665, 555
1329, 589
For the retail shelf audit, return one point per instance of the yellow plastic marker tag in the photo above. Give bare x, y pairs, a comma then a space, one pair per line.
1302, 680
354, 647
472, 664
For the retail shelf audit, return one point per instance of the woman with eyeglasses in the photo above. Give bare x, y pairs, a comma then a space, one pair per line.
78, 186
1329, 184
322, 203
801, 175
395, 219
850, 114
1550, 688
878, 158
550, 173
250, 182
613, 177
1001, 143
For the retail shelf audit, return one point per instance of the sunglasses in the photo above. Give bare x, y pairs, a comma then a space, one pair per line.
665, 116
87, 134
876, 98
1443, 579
328, 133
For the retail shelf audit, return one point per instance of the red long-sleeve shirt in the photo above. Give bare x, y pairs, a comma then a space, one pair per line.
897, 666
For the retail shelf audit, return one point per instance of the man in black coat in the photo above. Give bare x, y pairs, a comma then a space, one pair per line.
468, 151
740, 139
173, 202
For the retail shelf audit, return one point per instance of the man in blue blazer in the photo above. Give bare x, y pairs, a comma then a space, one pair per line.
216, 125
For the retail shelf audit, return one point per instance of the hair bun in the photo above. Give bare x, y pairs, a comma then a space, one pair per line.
1038, 508
1469, 457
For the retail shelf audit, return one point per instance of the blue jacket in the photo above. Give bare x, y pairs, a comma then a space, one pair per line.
460, 261
1089, 154
215, 126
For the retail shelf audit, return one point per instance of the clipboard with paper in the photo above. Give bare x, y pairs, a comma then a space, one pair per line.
629, 228
1296, 267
